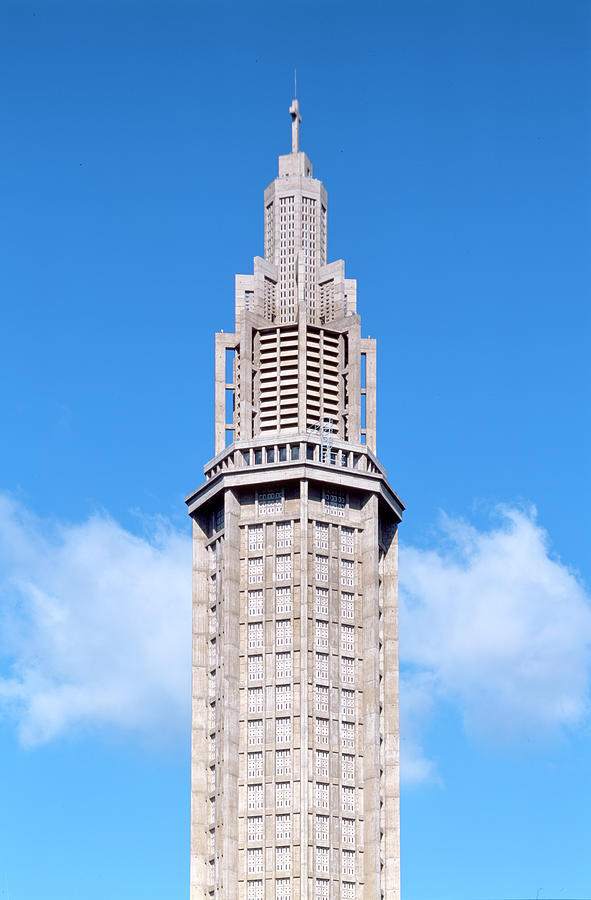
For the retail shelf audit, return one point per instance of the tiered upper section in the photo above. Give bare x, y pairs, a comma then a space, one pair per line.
299, 360
293, 281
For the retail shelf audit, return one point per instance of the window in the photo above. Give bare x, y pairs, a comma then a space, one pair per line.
347, 606
283, 632
322, 731
283, 600
219, 519
321, 601
255, 796
347, 670
295, 451
255, 764
322, 854
348, 735
255, 890
270, 502
334, 502
284, 534
347, 572
255, 667
283, 730
321, 567
322, 665
347, 540
255, 828
255, 603
255, 569
283, 698
320, 889
322, 829
282, 454
213, 555
255, 732
283, 566
256, 540
348, 638
283, 762
255, 860
322, 763
283, 889
348, 892
321, 699
283, 794
283, 664
255, 635
255, 700
348, 767
321, 633
348, 831
283, 827
321, 535
321, 795
348, 798
348, 862
347, 702
283, 859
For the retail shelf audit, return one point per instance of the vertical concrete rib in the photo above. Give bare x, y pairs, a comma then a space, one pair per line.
371, 715
391, 720
199, 742
304, 663
230, 692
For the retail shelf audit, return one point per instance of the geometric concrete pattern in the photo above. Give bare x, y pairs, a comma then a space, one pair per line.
295, 740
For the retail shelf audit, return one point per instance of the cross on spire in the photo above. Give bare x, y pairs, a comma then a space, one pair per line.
294, 111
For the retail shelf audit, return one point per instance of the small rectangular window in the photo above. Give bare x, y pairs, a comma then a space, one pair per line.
255, 603
321, 601
322, 763
283, 664
283, 602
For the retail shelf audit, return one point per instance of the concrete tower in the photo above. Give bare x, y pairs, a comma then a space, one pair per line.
295, 746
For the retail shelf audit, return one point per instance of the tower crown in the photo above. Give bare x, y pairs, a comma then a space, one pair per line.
299, 359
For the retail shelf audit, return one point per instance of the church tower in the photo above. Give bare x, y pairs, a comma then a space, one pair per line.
295, 742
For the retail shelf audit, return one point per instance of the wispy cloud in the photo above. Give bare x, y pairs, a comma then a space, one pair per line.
494, 624
96, 631
96, 626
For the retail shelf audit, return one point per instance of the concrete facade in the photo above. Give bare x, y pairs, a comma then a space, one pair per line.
295, 742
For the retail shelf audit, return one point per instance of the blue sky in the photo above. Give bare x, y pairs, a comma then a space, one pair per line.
454, 141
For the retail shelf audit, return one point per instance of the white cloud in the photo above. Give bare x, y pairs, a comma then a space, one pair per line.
492, 623
96, 626
96, 631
